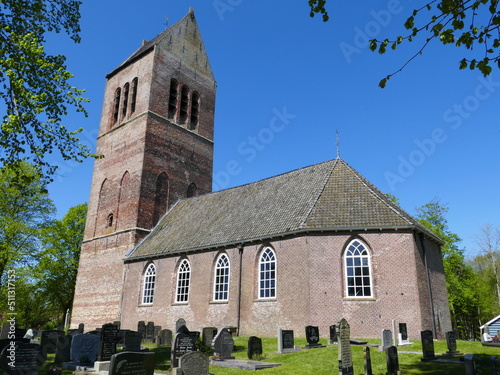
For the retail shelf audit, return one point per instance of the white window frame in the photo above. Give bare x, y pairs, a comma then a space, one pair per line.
357, 261
183, 282
148, 288
267, 286
221, 278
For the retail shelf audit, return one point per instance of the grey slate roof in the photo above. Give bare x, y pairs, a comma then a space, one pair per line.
326, 196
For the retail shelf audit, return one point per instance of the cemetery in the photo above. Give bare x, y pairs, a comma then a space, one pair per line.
109, 350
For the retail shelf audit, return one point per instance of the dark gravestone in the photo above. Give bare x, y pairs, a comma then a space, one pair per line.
183, 343
344, 350
133, 341
155, 332
312, 337
121, 337
127, 363
63, 348
180, 322
254, 347
403, 330
150, 332
164, 338
286, 342
194, 363
81, 328
208, 334
141, 328
49, 339
367, 361
109, 338
391, 356
333, 335
427, 345
182, 329
84, 348
22, 359
223, 343
451, 342
118, 324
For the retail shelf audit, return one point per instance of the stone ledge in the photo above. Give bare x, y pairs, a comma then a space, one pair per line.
244, 364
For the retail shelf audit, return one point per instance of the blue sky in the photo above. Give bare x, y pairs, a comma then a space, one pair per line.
433, 132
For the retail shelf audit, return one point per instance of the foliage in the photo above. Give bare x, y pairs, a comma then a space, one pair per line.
472, 24
34, 86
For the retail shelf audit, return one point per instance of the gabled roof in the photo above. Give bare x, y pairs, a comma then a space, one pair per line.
323, 197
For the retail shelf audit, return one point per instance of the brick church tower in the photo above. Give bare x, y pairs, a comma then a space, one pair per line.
156, 139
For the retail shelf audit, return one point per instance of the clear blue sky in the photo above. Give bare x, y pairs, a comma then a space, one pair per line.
288, 82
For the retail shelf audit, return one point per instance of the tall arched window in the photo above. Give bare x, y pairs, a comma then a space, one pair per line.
221, 279
133, 99
267, 274
172, 99
195, 106
183, 112
148, 289
116, 105
357, 270
192, 190
126, 88
183, 280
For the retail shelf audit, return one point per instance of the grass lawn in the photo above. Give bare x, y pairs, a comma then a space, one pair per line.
323, 361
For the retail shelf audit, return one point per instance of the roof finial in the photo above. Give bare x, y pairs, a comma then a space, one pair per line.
338, 145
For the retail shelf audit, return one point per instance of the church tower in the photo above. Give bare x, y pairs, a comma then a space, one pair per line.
156, 142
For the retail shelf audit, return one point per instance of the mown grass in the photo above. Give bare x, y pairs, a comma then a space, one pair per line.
323, 361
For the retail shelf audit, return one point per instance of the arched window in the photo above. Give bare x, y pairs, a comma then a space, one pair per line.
183, 280
195, 106
172, 100
125, 100
267, 274
221, 279
149, 285
116, 105
192, 190
133, 99
357, 270
183, 115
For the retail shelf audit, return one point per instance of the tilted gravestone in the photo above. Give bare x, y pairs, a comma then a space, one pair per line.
84, 348
164, 338
391, 356
223, 343
208, 334
367, 361
427, 345
254, 346
194, 363
49, 340
344, 350
127, 363
183, 343
22, 359
132, 341
109, 339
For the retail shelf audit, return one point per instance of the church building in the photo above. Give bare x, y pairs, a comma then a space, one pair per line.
307, 247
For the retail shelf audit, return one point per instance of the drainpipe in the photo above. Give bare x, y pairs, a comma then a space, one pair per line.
429, 288
240, 251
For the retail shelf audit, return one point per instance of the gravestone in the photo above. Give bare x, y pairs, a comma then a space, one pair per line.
333, 335
286, 343
223, 343
451, 342
118, 324
344, 350
150, 332
81, 328
164, 338
180, 322
155, 332
469, 364
121, 336
312, 337
84, 348
49, 339
133, 341
194, 363
141, 328
427, 345
183, 343
403, 331
367, 361
391, 356
109, 338
63, 348
254, 347
208, 334
22, 359
386, 339
127, 363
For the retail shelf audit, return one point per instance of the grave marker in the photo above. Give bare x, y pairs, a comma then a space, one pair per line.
132, 341
344, 350
286, 343
223, 343
183, 343
49, 339
333, 335
367, 361
22, 359
194, 363
109, 338
254, 347
469, 365
164, 338
81, 328
427, 345
180, 322
150, 331
127, 363
141, 328
391, 356
208, 334
63, 348
84, 348
386, 339
312, 337
451, 342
